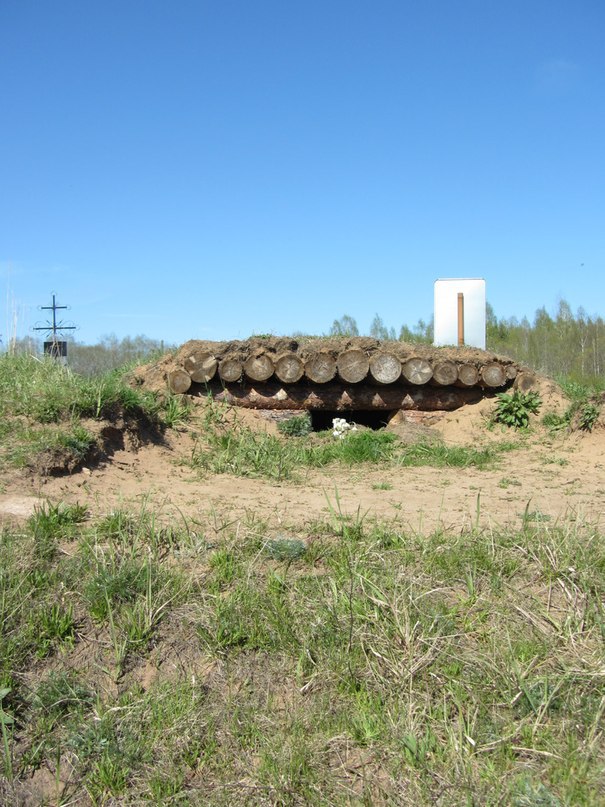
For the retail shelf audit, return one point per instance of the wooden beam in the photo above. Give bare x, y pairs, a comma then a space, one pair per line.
460, 319
336, 397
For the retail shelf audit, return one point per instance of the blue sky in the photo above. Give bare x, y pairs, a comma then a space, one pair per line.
194, 169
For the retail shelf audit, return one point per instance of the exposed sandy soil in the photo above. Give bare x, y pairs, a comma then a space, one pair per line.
560, 477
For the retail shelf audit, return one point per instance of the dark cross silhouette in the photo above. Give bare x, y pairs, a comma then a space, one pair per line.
55, 347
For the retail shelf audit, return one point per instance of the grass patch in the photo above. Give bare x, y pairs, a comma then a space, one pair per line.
439, 455
243, 452
586, 401
296, 426
46, 391
277, 665
232, 448
42, 403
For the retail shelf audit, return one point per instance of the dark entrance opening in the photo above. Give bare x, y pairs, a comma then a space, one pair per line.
321, 419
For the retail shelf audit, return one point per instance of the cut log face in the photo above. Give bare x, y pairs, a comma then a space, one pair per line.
493, 375
385, 368
417, 371
320, 368
511, 372
230, 369
468, 375
445, 373
289, 368
179, 381
259, 367
526, 381
201, 367
353, 366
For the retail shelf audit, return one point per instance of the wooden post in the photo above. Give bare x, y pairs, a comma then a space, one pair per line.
460, 319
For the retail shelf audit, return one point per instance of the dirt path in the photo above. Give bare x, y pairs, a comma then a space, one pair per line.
552, 478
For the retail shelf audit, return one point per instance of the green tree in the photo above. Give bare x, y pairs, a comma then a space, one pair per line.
111, 352
380, 331
421, 333
345, 326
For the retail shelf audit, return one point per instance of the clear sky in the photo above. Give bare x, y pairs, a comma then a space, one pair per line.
195, 169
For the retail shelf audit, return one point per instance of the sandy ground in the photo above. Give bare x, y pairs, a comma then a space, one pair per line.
559, 478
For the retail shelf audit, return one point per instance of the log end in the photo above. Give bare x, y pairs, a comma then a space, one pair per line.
258, 367
320, 368
230, 369
179, 381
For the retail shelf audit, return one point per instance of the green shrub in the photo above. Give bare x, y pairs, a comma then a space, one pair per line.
583, 414
514, 409
297, 426
588, 416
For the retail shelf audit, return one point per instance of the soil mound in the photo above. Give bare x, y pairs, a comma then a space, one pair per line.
353, 363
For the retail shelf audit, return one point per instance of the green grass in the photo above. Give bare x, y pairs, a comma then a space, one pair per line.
439, 455
45, 391
352, 662
382, 486
586, 401
42, 404
581, 390
243, 452
233, 448
296, 426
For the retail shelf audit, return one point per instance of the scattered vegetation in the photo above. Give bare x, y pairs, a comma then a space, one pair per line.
466, 664
583, 411
556, 422
507, 482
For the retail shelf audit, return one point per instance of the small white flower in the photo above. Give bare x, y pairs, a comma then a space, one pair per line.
340, 427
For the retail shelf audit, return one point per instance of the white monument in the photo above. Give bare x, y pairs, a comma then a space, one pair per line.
460, 312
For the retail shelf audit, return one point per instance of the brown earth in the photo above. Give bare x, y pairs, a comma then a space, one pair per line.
555, 477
